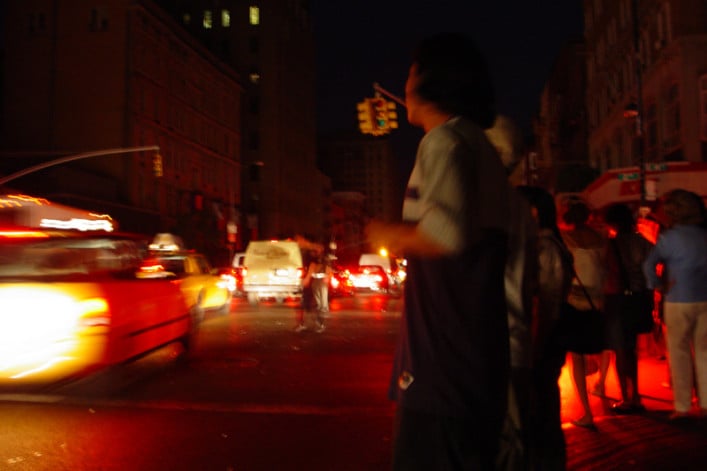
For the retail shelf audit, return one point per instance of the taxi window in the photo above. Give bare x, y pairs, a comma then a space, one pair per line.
203, 264
174, 265
63, 257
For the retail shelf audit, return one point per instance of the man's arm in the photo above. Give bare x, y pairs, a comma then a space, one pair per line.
404, 239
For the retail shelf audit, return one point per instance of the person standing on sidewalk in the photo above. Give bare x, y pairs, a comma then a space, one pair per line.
547, 441
682, 249
451, 371
588, 249
625, 256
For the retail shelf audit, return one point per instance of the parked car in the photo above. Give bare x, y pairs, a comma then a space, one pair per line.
202, 286
72, 302
272, 269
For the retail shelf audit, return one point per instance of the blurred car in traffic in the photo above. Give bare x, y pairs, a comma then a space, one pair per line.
340, 283
238, 267
204, 289
71, 302
272, 269
394, 272
369, 278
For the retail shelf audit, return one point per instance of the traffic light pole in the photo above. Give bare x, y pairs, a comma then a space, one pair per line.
71, 158
377, 88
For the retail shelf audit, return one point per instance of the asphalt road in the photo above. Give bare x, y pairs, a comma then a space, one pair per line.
255, 396
258, 396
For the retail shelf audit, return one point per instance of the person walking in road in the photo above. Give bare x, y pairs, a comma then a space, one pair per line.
682, 249
319, 274
451, 369
314, 295
625, 256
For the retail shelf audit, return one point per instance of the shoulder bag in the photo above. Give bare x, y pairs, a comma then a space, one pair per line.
579, 330
636, 306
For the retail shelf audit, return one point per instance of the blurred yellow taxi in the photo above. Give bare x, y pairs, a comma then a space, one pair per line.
72, 302
202, 286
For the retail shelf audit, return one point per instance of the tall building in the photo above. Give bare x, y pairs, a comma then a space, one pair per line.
271, 44
646, 84
561, 161
82, 76
366, 165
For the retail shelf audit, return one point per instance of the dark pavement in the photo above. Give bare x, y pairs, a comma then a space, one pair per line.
646, 441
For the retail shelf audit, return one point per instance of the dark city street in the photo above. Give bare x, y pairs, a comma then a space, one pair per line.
258, 396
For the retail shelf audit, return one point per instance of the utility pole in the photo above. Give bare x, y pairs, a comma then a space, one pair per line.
639, 100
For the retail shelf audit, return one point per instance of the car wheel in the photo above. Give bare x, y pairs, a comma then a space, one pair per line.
188, 341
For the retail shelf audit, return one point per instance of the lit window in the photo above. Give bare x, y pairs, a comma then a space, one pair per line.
186, 18
254, 15
225, 18
254, 77
208, 19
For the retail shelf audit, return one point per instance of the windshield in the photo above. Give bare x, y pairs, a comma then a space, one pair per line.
53, 258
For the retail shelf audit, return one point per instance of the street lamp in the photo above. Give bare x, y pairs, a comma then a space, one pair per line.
71, 158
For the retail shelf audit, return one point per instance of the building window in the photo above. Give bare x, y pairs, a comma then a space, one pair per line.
672, 118
208, 20
254, 15
254, 77
253, 45
186, 18
99, 20
703, 107
37, 23
225, 18
254, 141
254, 105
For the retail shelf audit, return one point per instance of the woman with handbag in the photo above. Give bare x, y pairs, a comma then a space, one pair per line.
628, 305
588, 247
546, 439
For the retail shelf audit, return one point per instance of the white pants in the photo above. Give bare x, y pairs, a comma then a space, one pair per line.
320, 289
686, 325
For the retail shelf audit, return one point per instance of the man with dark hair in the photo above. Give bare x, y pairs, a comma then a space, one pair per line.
450, 376
682, 249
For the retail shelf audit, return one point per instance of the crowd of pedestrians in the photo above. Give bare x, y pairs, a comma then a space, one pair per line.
490, 274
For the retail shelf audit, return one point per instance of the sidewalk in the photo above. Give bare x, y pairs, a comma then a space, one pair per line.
649, 441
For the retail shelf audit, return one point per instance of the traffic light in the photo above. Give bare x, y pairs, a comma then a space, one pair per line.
392, 115
380, 115
157, 164
376, 116
365, 116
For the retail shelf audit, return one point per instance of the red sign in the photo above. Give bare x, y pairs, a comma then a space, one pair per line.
631, 187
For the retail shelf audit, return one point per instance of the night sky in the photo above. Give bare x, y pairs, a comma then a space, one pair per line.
364, 41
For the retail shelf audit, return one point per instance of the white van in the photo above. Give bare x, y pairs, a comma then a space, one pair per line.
272, 269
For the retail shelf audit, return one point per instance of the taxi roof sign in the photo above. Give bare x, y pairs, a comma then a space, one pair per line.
167, 242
